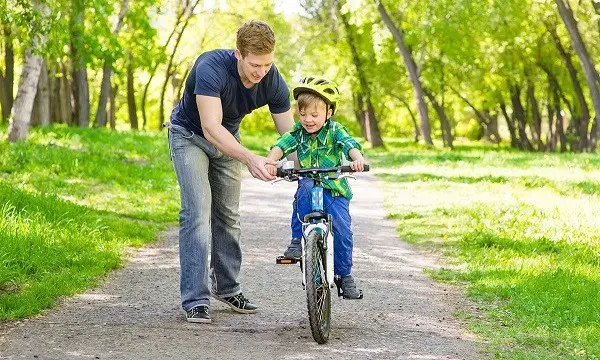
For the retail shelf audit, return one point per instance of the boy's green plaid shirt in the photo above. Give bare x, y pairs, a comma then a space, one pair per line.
323, 151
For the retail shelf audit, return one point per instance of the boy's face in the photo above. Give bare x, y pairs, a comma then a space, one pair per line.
313, 116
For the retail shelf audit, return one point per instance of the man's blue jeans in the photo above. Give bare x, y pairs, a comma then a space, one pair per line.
209, 184
339, 208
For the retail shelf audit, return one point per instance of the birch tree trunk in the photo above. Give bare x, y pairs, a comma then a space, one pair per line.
21, 111
411, 66
41, 104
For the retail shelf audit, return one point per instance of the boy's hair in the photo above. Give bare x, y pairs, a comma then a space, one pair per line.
307, 99
255, 37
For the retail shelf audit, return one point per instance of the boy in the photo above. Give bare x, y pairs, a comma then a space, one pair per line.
321, 142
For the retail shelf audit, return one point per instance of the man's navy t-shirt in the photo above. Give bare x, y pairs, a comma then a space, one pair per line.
215, 74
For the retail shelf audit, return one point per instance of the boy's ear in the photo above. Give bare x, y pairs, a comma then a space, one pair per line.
329, 112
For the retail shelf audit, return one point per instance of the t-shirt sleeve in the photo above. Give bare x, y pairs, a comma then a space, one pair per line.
210, 78
279, 99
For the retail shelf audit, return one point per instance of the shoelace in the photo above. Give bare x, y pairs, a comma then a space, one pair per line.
241, 299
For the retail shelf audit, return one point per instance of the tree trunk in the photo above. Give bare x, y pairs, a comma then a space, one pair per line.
41, 105
369, 117
490, 132
65, 95
153, 71
359, 112
520, 118
101, 116
81, 90
112, 108
411, 66
581, 117
7, 80
535, 117
107, 70
445, 123
21, 112
372, 126
169, 71
412, 118
587, 63
131, 106
514, 140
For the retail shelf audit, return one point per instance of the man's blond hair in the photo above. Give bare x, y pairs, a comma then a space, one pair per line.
308, 99
255, 37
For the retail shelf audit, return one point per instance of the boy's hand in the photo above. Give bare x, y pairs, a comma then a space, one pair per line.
358, 165
271, 169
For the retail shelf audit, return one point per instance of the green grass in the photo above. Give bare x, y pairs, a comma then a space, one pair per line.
71, 202
521, 232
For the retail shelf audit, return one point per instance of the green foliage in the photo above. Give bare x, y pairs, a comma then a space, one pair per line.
71, 201
520, 231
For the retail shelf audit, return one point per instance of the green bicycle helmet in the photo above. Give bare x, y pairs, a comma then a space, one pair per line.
318, 85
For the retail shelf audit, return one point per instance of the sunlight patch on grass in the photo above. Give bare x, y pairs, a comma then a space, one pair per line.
524, 233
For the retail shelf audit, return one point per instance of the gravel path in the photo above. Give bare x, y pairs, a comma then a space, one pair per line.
135, 313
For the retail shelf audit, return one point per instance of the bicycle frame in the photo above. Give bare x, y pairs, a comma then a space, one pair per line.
317, 259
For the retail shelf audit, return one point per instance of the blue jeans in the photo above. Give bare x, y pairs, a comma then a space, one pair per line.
339, 208
210, 194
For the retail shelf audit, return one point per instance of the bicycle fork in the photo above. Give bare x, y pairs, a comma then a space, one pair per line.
329, 275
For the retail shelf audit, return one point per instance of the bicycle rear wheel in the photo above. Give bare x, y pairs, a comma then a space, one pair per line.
318, 294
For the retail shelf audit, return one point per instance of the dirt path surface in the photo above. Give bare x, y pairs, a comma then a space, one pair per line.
136, 314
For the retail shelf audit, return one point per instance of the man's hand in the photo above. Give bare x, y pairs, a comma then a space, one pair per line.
257, 165
271, 169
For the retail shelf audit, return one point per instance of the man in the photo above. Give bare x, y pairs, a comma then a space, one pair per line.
222, 87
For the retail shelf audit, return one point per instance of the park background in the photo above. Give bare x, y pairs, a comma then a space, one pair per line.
480, 118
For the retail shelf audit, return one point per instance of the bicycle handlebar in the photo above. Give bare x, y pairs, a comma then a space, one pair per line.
341, 169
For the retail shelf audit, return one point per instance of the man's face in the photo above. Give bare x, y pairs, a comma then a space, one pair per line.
253, 68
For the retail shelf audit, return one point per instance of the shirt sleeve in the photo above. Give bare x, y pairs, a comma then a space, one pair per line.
210, 78
279, 99
287, 143
343, 139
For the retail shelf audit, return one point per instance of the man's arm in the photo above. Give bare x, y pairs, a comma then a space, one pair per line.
211, 114
284, 122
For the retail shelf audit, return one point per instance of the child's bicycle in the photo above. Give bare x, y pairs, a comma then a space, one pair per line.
316, 262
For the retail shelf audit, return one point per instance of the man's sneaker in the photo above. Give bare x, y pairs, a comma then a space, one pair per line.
294, 251
347, 288
198, 314
238, 303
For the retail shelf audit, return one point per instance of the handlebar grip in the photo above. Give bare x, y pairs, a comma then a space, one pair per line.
280, 173
347, 168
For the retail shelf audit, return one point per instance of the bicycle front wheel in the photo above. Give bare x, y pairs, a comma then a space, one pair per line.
318, 294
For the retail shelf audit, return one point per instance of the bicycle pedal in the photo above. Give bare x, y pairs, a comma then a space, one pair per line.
282, 260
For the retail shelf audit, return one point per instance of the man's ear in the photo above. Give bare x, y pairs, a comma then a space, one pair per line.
238, 54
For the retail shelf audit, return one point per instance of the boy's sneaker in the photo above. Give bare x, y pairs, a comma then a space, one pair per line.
198, 314
294, 251
238, 303
347, 288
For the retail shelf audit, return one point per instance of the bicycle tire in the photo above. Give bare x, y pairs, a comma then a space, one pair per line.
318, 294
